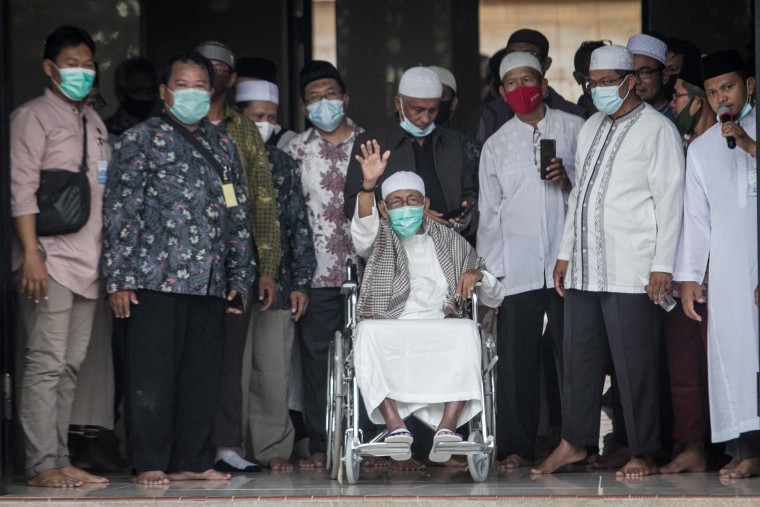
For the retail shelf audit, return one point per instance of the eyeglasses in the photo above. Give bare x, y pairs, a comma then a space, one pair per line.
411, 200
330, 95
646, 72
221, 69
591, 84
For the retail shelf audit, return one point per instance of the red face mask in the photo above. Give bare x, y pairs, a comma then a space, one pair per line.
525, 99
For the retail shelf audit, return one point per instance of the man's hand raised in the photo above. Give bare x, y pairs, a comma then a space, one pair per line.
373, 164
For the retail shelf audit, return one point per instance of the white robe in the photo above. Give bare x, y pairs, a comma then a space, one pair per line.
720, 222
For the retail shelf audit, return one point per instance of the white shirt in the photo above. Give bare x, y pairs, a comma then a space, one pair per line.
522, 216
624, 214
427, 283
720, 221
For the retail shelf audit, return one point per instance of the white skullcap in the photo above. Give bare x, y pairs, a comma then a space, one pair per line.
257, 90
420, 83
612, 57
403, 180
519, 59
445, 76
648, 46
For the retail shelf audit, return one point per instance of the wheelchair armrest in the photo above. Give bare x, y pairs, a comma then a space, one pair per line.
348, 286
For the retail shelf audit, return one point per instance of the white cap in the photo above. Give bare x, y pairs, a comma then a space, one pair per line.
648, 46
257, 90
519, 59
402, 180
420, 83
612, 57
445, 76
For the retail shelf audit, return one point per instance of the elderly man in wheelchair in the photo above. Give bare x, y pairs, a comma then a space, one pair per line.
421, 272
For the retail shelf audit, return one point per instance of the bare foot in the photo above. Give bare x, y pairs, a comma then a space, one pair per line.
54, 478
80, 475
152, 478
318, 460
637, 466
690, 459
375, 462
565, 454
746, 468
410, 465
617, 459
726, 470
280, 464
512, 461
208, 475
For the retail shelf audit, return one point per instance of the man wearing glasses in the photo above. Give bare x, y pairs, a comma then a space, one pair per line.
649, 60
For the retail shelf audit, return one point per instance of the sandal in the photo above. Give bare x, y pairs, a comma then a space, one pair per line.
399, 436
443, 435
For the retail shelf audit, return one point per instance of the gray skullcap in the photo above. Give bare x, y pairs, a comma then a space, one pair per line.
519, 59
402, 180
420, 83
445, 76
214, 50
612, 57
648, 46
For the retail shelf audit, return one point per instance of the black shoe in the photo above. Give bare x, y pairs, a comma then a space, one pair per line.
223, 466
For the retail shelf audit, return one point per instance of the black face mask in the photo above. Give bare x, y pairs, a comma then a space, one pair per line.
669, 88
444, 112
140, 109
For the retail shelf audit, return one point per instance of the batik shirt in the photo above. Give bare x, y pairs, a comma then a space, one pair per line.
167, 227
323, 168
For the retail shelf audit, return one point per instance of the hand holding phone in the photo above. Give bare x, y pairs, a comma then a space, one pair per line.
548, 152
459, 213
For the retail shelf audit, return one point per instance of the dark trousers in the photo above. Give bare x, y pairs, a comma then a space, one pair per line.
746, 446
519, 327
323, 317
172, 353
686, 344
600, 326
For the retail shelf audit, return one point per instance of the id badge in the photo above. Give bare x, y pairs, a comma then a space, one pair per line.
102, 171
229, 195
752, 182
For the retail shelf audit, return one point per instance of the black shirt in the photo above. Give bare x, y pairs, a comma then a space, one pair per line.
425, 162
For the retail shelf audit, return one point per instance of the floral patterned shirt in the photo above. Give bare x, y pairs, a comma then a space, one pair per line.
167, 227
323, 168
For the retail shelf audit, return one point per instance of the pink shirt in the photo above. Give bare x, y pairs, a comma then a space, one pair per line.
46, 133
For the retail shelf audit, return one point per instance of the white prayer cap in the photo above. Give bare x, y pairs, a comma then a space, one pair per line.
648, 46
519, 59
403, 180
257, 90
420, 83
612, 57
445, 76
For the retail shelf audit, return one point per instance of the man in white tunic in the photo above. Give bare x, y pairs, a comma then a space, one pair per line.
422, 271
618, 247
522, 216
720, 202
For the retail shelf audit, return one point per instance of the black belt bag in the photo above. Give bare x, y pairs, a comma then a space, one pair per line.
63, 198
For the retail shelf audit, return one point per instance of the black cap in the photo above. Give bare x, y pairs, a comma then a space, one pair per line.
692, 73
257, 68
534, 37
722, 62
319, 69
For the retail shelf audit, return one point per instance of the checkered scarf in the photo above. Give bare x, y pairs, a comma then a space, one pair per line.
385, 279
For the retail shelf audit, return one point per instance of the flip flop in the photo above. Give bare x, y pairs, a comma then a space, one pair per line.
399, 436
443, 435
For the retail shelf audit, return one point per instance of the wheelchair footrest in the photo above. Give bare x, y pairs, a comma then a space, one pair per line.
462, 447
381, 449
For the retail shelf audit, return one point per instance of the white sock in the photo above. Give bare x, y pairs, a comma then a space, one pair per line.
231, 456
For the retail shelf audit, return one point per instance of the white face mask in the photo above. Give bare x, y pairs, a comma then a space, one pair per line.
265, 129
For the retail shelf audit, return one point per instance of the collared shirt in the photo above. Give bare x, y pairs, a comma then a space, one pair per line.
323, 168
624, 214
425, 164
298, 261
167, 225
522, 216
262, 210
46, 133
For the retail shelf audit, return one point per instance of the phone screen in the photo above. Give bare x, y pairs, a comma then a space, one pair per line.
548, 152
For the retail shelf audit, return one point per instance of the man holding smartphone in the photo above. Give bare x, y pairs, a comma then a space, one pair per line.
524, 185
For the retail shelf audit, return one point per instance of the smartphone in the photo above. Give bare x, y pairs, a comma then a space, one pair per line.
459, 213
237, 303
548, 152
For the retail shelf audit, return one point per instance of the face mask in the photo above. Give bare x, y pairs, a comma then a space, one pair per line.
76, 82
607, 99
191, 105
525, 99
444, 112
745, 111
265, 129
406, 221
413, 129
138, 108
326, 115
685, 122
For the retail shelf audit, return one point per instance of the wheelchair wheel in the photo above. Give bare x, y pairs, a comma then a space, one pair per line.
334, 416
479, 464
353, 463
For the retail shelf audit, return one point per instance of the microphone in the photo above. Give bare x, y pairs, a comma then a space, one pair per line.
724, 115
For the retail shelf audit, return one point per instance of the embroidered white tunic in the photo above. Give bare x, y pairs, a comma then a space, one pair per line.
720, 222
624, 214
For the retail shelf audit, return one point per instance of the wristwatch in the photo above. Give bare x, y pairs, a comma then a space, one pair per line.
367, 190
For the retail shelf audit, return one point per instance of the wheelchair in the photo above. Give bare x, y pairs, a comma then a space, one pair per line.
345, 440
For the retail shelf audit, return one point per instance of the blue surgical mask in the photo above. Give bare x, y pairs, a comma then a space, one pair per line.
76, 82
413, 129
746, 109
191, 105
406, 221
606, 99
326, 114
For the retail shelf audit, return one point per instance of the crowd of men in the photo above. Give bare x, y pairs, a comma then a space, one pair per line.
197, 304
